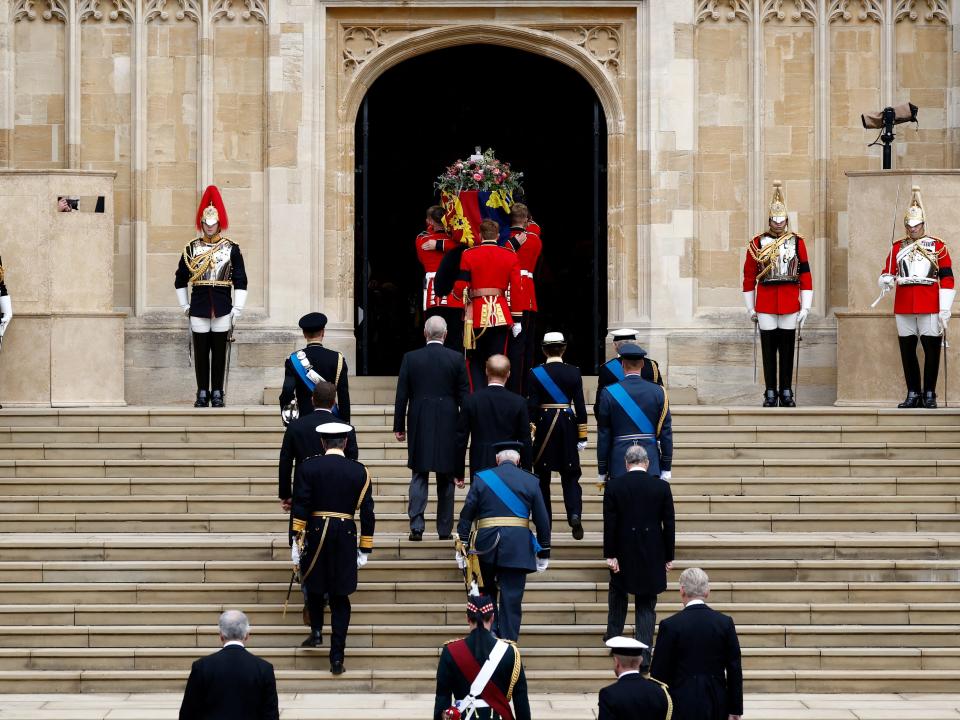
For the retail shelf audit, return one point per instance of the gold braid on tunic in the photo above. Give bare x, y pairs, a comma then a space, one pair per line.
764, 255
2, 273
516, 669
915, 246
198, 265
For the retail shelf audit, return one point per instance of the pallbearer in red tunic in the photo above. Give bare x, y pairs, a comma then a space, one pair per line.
919, 266
486, 272
526, 244
431, 245
778, 293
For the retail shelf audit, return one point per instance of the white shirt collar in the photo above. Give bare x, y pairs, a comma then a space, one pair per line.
636, 469
233, 642
554, 359
629, 672
695, 601
494, 384
335, 451
434, 342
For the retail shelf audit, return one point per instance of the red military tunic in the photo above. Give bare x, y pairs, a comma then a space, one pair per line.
430, 259
921, 299
488, 267
781, 298
527, 246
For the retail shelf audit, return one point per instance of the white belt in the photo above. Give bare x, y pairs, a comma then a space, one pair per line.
526, 273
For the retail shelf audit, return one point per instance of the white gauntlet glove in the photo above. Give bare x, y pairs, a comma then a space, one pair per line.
749, 303
461, 561
183, 301
239, 301
295, 553
542, 564
946, 297
517, 329
361, 559
944, 318
887, 282
806, 302
802, 316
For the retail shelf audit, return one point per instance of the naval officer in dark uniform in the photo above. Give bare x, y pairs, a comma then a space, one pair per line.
329, 491
308, 366
556, 407
456, 672
502, 500
633, 412
633, 696
612, 370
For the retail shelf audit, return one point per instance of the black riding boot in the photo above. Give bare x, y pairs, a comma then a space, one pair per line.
768, 348
931, 368
218, 347
786, 347
201, 364
911, 370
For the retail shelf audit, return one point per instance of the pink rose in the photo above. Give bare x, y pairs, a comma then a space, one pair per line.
478, 176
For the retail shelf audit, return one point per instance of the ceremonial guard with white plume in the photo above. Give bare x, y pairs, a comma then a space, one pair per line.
329, 492
919, 267
212, 265
778, 294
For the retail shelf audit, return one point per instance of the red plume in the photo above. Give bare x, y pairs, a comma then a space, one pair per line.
211, 196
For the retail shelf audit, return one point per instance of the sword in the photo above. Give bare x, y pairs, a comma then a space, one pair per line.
189, 343
226, 370
293, 576
756, 332
893, 235
796, 362
946, 368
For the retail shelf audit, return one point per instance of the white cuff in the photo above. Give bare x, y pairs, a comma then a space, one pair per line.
239, 299
946, 298
806, 299
749, 300
6, 306
182, 298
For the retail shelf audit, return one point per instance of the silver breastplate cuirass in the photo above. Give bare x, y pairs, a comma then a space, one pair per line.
913, 266
784, 266
219, 269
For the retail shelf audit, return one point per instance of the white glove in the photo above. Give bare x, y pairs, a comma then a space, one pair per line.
295, 553
581, 446
517, 329
239, 303
461, 561
944, 319
802, 316
749, 302
666, 475
887, 282
186, 310
361, 559
183, 301
946, 297
3, 326
542, 564
235, 314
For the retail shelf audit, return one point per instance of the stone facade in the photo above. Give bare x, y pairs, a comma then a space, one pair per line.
706, 102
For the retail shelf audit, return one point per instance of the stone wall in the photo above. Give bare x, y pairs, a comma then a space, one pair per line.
707, 102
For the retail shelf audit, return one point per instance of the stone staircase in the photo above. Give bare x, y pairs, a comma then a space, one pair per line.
831, 535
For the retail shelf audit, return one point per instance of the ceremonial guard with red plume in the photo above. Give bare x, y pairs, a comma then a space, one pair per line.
212, 265
431, 246
919, 266
778, 294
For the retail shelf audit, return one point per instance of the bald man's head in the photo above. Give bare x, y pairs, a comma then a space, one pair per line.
498, 368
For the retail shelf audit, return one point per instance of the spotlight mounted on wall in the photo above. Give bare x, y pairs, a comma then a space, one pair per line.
884, 121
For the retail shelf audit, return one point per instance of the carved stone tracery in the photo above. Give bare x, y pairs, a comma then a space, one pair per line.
602, 42
802, 10
55, 10
715, 9
157, 9
936, 10
122, 10
223, 9
869, 10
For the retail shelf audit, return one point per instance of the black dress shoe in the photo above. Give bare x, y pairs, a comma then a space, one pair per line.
786, 398
314, 641
930, 400
446, 537
203, 399
770, 398
416, 535
217, 398
336, 667
912, 401
577, 530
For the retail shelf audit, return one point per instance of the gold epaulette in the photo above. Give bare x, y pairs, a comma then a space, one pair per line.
658, 682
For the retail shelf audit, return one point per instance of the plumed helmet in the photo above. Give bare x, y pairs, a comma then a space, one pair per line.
211, 210
914, 214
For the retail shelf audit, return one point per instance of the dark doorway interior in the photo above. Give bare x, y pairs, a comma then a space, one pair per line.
537, 114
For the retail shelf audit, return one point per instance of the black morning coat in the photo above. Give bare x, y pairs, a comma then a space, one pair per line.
332, 483
515, 547
634, 697
650, 371
491, 415
325, 363
231, 684
571, 426
613, 422
300, 441
213, 300
433, 382
698, 657
638, 530
452, 685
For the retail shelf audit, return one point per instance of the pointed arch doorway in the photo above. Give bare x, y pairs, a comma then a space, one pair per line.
419, 116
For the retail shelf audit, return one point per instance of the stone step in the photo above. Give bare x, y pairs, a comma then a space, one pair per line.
720, 570
24, 547
397, 483
397, 504
428, 614
397, 523
412, 591
406, 681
